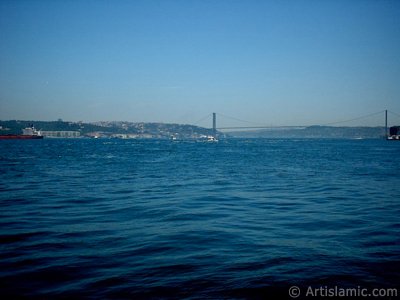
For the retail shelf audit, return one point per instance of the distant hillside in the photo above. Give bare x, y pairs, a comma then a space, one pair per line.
314, 132
163, 130
110, 129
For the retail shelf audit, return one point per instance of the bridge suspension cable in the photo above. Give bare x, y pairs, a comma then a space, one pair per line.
354, 119
258, 125
202, 119
393, 113
240, 120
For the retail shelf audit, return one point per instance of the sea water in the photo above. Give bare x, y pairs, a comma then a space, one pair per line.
157, 219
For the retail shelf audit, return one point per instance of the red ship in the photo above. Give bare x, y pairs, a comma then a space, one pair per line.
29, 133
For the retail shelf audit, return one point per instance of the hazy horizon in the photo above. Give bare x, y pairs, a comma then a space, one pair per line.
269, 62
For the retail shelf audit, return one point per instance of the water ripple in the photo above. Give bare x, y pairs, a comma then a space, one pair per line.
238, 219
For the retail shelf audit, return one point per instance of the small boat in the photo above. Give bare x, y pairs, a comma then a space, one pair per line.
207, 139
28, 133
212, 139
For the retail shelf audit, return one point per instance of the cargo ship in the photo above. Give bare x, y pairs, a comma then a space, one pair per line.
28, 133
394, 134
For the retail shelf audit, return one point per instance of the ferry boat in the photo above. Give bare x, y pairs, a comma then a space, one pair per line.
28, 133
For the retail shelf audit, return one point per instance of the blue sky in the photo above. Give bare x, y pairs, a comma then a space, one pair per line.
270, 62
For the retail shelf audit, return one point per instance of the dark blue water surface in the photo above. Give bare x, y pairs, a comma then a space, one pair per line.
238, 219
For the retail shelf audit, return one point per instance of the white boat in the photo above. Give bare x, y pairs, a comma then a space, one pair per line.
211, 139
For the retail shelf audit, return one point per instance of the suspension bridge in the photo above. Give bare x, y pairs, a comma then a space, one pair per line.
252, 125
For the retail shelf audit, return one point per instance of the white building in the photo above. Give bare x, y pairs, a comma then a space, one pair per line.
61, 134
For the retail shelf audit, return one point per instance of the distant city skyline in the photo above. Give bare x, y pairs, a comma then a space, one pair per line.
269, 62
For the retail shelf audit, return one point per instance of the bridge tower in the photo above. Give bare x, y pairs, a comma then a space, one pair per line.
386, 124
214, 125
